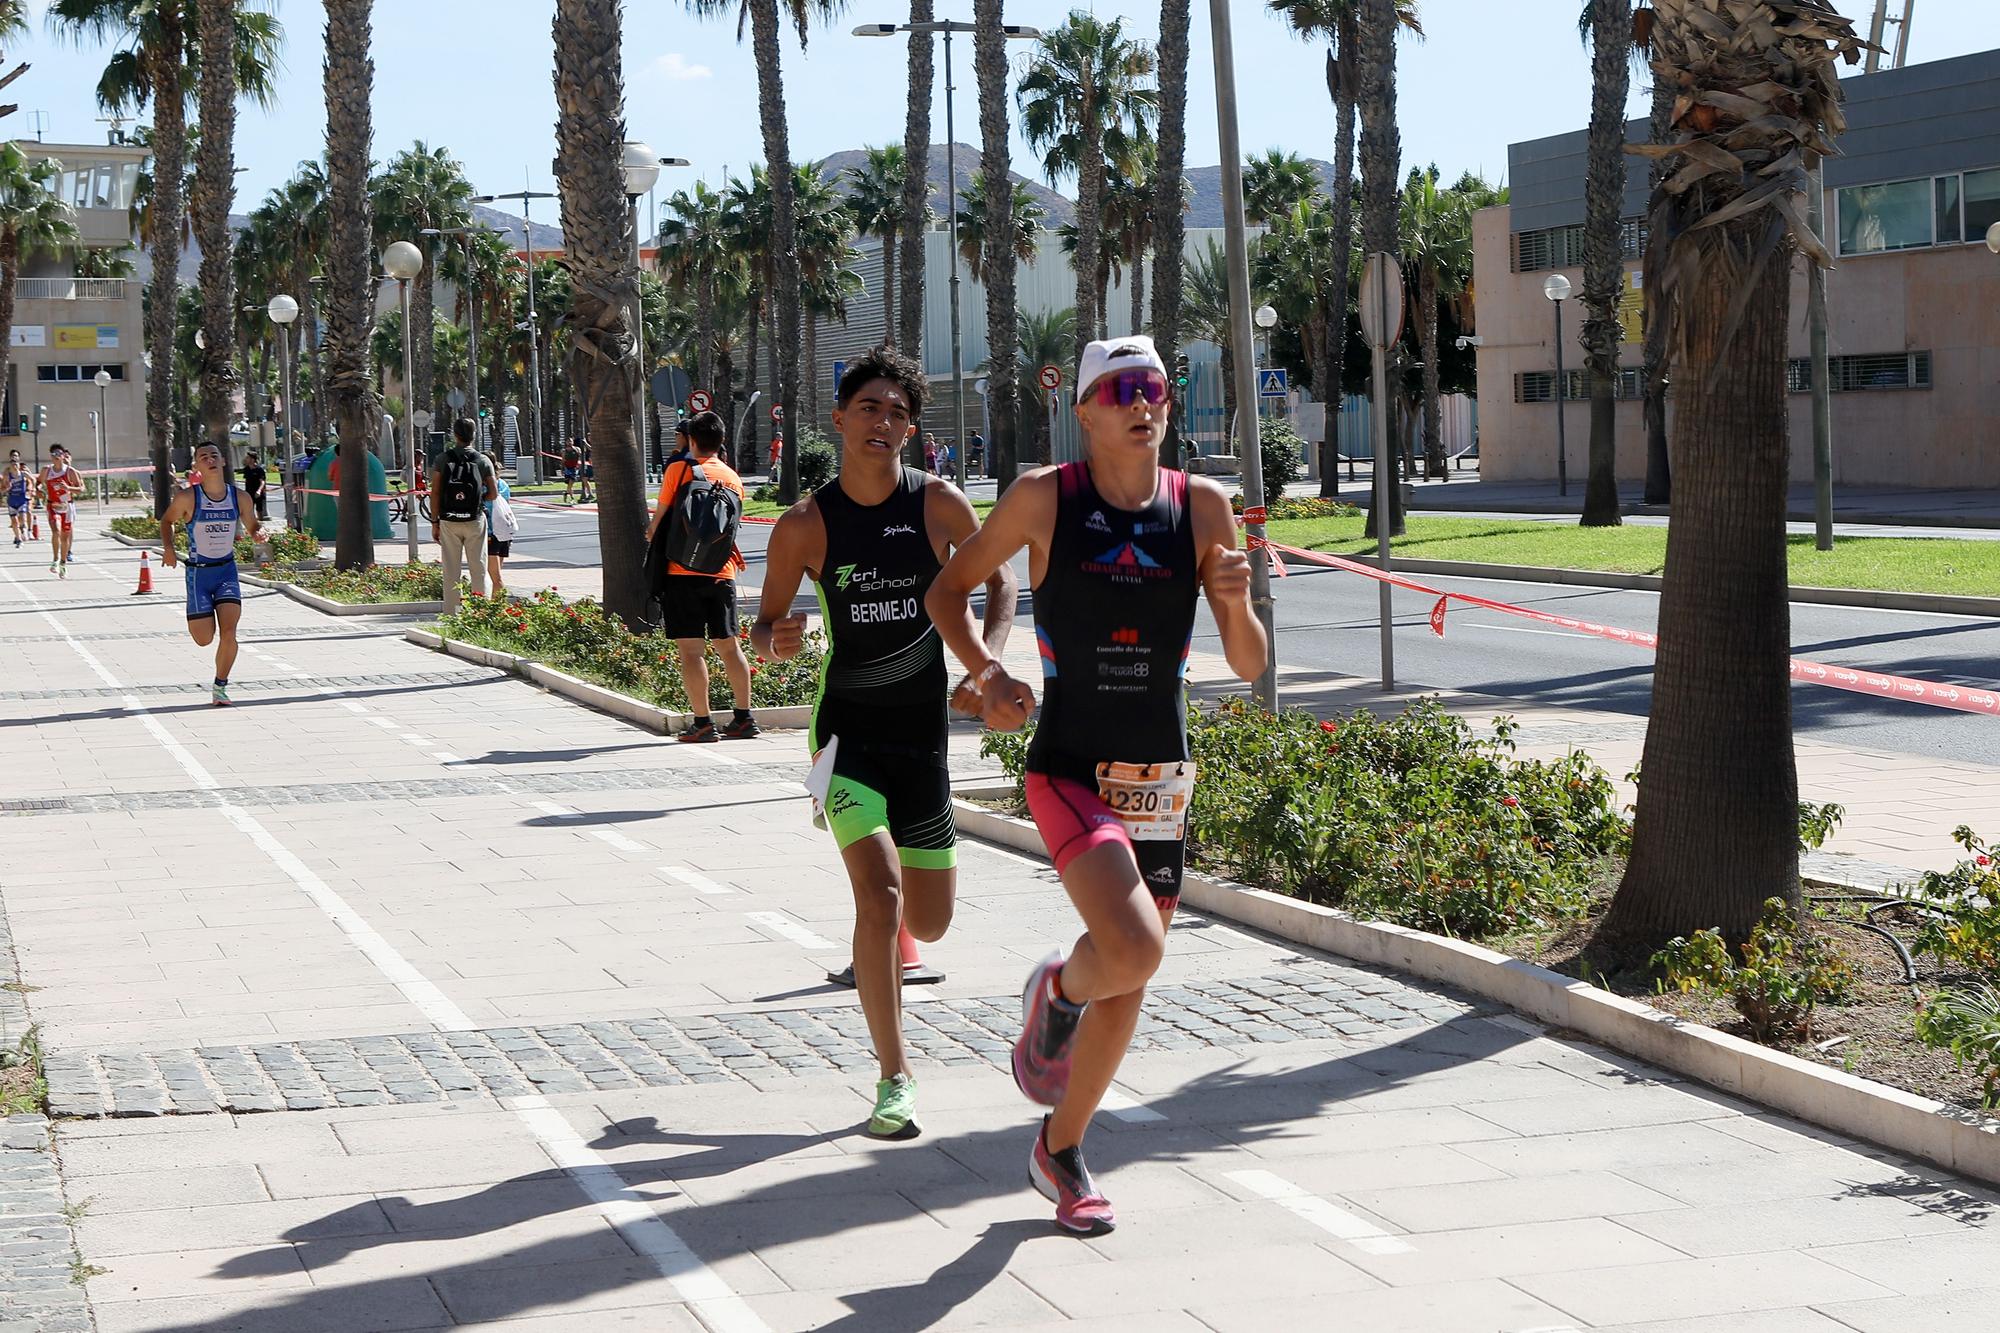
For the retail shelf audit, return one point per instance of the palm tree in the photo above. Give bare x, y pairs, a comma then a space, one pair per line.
1381, 153
875, 199
1757, 96
916, 206
1659, 468
1083, 100
422, 187
32, 219
1437, 253
1338, 21
1024, 215
13, 23
1205, 309
350, 81
826, 256
1170, 201
1004, 234
590, 146
749, 264
763, 17
1274, 183
695, 248
1603, 249
1045, 339
1291, 262
1128, 212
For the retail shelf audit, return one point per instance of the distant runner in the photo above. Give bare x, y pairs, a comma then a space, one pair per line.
1117, 549
873, 538
60, 484
211, 511
18, 495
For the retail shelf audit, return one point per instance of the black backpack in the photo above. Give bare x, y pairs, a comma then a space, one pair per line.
462, 486
700, 530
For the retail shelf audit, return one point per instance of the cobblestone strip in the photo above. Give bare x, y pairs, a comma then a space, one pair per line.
504, 780
1319, 1002
404, 680
36, 1245
280, 634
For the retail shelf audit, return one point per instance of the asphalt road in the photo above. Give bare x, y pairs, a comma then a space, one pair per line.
1326, 619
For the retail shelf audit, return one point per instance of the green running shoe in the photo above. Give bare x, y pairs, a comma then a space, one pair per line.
895, 1109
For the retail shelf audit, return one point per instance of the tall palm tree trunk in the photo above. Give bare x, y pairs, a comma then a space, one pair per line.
747, 448
590, 140
423, 336
164, 59
215, 190
889, 289
350, 81
1342, 80
1603, 264
1136, 277
10, 275
1090, 278
310, 323
1427, 338
784, 229
1381, 157
810, 386
1659, 470
909, 331
998, 261
1169, 221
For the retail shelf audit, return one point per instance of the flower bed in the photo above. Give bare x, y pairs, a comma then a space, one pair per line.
583, 640
288, 546
375, 585
1303, 507
1410, 819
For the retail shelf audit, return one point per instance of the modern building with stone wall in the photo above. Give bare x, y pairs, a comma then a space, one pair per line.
1914, 301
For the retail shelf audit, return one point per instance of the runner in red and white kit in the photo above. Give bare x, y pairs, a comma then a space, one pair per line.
60, 484
1117, 548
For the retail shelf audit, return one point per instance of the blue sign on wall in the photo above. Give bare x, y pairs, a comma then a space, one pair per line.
1274, 383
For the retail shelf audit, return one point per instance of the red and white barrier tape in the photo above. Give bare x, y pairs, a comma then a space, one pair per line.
1966, 699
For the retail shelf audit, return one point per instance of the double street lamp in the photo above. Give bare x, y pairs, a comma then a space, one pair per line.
283, 310
1557, 289
946, 27
102, 379
403, 262
642, 170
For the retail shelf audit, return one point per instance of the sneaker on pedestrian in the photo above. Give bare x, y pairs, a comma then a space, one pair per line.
741, 728
218, 694
62, 572
1063, 1179
700, 733
1048, 1032
895, 1109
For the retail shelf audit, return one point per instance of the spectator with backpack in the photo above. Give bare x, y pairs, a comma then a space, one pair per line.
692, 561
461, 484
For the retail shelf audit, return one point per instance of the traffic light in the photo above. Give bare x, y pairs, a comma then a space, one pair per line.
24, 425
1181, 371
41, 418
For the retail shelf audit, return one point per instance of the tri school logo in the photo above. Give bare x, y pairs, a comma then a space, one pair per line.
842, 575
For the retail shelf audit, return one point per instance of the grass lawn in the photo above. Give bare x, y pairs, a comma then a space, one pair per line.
1888, 564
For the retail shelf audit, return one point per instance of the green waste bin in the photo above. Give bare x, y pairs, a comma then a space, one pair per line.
322, 513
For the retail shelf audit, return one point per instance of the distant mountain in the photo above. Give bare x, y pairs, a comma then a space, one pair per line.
1060, 208
508, 225
1205, 191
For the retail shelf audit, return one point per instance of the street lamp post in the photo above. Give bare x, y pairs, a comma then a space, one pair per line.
1557, 289
103, 381
946, 27
403, 261
472, 312
534, 327
642, 169
283, 310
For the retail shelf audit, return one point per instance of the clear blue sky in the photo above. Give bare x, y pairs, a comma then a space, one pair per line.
474, 75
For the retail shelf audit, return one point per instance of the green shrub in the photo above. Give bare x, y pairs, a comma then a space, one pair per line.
819, 459
1283, 451
1964, 930
1817, 823
1282, 510
1784, 975
377, 584
1966, 1021
583, 639
1410, 819
288, 546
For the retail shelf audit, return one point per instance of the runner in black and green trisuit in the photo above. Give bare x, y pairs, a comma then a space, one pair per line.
872, 539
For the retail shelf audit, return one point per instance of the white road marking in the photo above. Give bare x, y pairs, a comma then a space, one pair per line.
695, 880
619, 840
793, 931
714, 755
415, 739
1359, 1232
1523, 629
552, 810
352, 706
446, 757
1122, 1106
712, 1299
384, 723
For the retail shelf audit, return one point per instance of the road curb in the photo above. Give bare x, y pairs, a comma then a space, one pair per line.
1937, 604
1946, 1136
636, 711
327, 606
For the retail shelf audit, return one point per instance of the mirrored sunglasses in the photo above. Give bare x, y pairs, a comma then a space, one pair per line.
1125, 387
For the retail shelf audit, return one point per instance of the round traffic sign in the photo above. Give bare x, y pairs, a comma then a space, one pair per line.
1050, 377
420, 419
777, 411
1381, 300
699, 401
455, 399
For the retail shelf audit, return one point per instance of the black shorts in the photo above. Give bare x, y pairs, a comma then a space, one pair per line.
695, 606
494, 546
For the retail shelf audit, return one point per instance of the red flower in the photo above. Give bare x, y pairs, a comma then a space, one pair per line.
1329, 726
1509, 801
1983, 861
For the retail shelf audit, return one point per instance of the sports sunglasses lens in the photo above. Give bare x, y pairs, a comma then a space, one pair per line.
1123, 389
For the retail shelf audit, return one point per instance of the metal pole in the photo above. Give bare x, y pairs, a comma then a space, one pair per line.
1903, 33
472, 339
1055, 406
534, 337
1875, 37
639, 333
1562, 437
291, 436
409, 422
1265, 689
1383, 470
1822, 402
951, 196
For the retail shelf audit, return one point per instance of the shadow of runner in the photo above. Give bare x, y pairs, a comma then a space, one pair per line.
1219, 1111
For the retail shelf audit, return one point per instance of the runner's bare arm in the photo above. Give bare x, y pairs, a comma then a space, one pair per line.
951, 517
797, 547
246, 514
1025, 516
1225, 577
179, 510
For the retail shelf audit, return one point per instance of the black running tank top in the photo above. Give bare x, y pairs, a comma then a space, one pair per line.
883, 648
1114, 616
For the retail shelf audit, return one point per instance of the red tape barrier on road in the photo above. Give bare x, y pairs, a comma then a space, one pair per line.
1966, 699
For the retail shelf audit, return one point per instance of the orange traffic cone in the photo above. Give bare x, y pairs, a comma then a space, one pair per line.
34, 523
145, 574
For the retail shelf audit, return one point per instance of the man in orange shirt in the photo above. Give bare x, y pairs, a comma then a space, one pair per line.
701, 504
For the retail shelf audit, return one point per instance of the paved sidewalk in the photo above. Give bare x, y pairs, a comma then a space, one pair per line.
552, 988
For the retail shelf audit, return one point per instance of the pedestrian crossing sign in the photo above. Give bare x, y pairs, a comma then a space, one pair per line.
1273, 383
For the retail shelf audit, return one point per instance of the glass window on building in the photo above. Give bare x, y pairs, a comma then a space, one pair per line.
1948, 232
1895, 216
1982, 203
